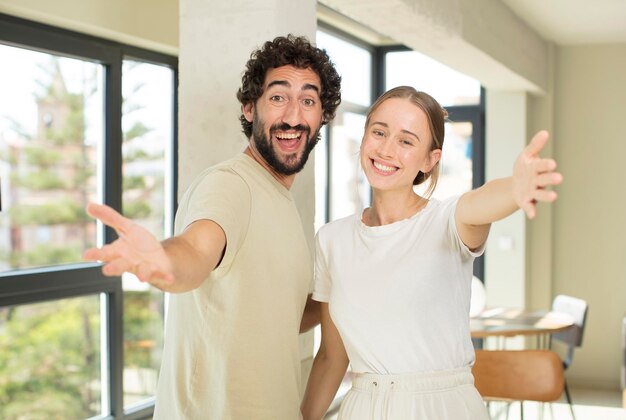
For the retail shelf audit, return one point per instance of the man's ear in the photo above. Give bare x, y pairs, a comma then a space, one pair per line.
248, 111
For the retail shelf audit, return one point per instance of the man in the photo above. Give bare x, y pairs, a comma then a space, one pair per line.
239, 264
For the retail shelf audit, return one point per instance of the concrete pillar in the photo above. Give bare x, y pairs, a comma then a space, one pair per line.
505, 260
216, 39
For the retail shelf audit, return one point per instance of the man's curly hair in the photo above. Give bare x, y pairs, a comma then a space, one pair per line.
298, 52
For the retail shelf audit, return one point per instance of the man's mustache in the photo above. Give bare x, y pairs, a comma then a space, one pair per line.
287, 127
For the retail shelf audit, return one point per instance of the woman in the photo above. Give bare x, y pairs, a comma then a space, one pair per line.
394, 281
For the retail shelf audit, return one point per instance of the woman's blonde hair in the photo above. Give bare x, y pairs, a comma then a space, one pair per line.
436, 116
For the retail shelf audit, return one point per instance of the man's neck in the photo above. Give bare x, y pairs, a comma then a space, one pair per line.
285, 180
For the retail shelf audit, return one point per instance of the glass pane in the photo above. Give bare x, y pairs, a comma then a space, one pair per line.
50, 133
50, 360
349, 189
448, 86
354, 64
455, 176
321, 178
147, 125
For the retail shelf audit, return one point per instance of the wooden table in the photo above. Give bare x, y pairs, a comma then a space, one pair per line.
506, 322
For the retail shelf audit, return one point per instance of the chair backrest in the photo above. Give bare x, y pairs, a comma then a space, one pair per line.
519, 375
576, 308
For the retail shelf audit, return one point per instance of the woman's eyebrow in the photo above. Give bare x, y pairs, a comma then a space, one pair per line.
403, 130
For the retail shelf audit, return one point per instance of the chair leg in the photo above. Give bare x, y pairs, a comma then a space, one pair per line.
521, 410
569, 400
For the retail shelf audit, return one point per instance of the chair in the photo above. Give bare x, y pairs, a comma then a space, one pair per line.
572, 337
518, 375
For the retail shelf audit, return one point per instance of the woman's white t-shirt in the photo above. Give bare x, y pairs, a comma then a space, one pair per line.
399, 294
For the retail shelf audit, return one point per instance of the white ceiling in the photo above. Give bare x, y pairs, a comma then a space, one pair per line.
574, 22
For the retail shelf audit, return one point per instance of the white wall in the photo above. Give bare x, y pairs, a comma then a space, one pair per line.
590, 216
151, 24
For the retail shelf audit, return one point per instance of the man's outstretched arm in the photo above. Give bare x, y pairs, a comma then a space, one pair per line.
177, 264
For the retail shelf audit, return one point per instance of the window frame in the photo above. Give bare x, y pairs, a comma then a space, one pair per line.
347, 106
19, 287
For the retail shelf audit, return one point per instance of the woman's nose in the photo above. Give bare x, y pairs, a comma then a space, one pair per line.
385, 147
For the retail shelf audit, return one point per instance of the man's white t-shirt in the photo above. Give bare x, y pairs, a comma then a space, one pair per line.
399, 294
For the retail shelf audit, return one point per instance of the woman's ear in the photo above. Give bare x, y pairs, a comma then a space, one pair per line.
248, 111
435, 156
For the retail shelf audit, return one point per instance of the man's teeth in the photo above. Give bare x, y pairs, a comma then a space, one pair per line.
383, 168
287, 136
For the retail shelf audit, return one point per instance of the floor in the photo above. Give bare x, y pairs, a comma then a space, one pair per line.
589, 404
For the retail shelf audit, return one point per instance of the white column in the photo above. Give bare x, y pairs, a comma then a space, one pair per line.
216, 39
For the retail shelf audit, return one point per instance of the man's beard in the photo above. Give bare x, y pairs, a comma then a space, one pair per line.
264, 146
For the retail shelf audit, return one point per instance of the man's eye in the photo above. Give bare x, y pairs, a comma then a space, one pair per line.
309, 102
276, 98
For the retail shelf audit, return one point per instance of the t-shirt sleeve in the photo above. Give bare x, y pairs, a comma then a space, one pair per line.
223, 197
321, 278
450, 207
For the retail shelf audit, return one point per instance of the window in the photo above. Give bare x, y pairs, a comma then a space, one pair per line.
346, 190
81, 119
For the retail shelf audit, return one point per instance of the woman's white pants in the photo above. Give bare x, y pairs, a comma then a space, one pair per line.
446, 395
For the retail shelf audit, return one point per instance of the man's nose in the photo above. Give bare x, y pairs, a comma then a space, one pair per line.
292, 114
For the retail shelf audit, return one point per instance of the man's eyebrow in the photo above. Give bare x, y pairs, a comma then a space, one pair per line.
309, 86
306, 86
278, 83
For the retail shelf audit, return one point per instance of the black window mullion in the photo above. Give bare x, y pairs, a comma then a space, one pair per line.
174, 158
40, 285
152, 57
112, 177
112, 165
40, 37
115, 334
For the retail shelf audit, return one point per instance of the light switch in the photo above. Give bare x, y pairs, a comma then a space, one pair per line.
505, 242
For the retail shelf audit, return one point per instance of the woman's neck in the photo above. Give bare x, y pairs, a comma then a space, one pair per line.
392, 206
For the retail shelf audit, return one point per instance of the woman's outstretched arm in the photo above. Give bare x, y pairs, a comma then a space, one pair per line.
497, 199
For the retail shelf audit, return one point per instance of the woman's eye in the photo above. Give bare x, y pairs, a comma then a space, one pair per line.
407, 142
378, 133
